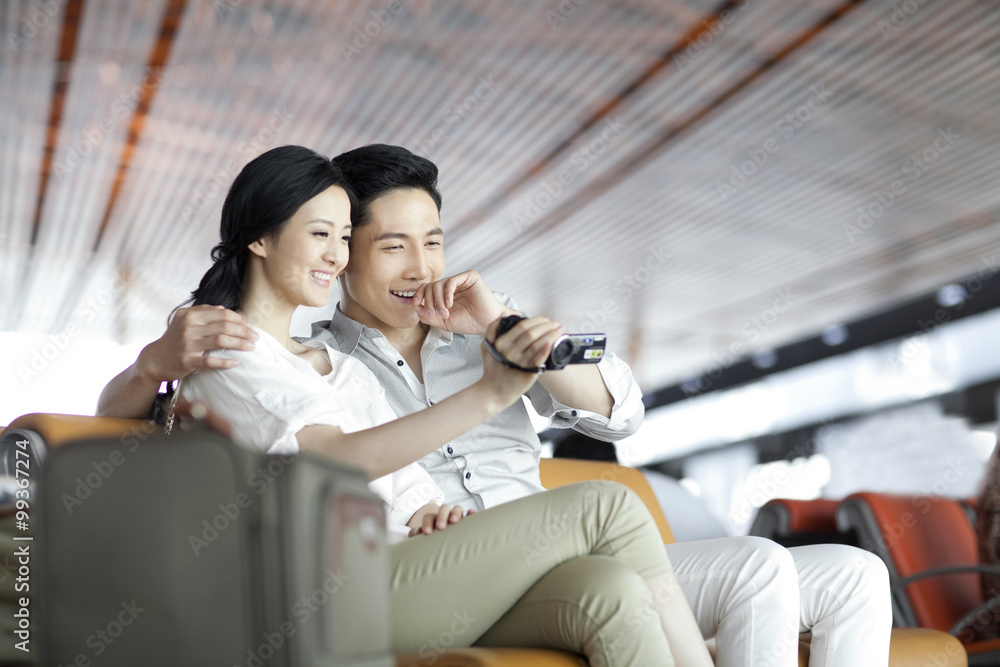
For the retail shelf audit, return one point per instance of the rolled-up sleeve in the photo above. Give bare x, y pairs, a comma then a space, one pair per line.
412, 488
626, 413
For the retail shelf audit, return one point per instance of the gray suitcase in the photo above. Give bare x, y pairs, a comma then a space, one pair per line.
190, 550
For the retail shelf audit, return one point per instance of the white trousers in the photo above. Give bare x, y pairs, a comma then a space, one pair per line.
755, 597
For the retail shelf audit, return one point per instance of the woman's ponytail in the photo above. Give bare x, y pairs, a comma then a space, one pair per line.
222, 284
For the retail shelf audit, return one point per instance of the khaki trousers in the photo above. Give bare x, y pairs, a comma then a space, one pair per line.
563, 569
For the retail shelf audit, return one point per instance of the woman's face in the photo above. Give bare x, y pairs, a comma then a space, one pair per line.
310, 250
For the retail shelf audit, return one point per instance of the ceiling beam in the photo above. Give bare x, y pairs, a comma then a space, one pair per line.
64, 65
631, 164
482, 213
158, 59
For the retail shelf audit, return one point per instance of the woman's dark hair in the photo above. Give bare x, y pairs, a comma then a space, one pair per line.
377, 169
265, 194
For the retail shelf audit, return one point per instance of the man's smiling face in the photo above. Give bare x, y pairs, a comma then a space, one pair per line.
401, 248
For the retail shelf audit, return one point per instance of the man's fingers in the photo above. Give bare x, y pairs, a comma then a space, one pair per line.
456, 514
525, 332
544, 342
206, 361
529, 342
438, 289
418, 296
222, 341
537, 353
207, 315
229, 328
451, 286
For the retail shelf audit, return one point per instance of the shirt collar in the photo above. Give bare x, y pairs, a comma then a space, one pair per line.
348, 332
437, 337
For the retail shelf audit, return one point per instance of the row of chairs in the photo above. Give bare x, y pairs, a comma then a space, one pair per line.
909, 647
929, 545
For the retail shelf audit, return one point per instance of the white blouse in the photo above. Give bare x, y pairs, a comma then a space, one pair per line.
273, 394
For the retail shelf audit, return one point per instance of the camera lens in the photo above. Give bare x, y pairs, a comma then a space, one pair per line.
562, 352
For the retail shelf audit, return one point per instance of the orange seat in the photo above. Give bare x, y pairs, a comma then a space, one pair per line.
931, 551
793, 523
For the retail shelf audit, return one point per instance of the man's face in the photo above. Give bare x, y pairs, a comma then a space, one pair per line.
399, 250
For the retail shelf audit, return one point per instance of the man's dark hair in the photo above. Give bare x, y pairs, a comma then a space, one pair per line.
377, 169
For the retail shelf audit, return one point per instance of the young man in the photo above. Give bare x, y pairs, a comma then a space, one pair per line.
421, 336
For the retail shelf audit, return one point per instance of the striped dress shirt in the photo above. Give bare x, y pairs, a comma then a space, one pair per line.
496, 461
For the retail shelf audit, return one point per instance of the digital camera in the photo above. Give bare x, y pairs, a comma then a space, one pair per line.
568, 348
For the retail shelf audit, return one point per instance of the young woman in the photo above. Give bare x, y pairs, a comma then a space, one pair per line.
579, 568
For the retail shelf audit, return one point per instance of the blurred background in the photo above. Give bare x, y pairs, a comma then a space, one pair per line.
784, 215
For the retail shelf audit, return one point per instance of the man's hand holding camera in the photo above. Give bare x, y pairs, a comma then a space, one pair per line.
464, 304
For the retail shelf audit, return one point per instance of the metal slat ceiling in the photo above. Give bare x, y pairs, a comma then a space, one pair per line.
690, 94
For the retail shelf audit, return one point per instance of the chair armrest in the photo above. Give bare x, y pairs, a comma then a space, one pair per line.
59, 429
45, 431
962, 623
970, 616
950, 569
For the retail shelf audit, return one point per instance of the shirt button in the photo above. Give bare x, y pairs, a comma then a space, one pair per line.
399, 363
468, 475
573, 413
450, 450
431, 402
